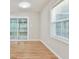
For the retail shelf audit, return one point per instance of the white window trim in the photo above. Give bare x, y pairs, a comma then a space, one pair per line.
27, 28
59, 38
60, 20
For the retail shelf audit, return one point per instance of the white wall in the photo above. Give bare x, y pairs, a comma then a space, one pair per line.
57, 46
40, 29
34, 23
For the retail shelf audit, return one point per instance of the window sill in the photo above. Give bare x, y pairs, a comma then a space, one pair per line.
61, 39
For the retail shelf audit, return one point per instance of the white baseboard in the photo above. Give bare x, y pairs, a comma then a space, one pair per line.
27, 40
51, 50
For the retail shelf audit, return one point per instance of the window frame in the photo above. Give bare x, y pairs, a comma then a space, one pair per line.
27, 28
57, 37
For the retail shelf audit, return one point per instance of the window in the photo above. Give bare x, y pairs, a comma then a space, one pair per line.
18, 28
60, 20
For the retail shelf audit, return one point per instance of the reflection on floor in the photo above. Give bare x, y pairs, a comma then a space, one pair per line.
30, 50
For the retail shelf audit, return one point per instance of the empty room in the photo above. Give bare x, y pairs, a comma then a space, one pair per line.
39, 29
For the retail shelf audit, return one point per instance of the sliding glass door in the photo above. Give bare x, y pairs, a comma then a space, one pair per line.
18, 28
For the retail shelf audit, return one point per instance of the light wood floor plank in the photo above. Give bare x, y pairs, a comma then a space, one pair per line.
30, 50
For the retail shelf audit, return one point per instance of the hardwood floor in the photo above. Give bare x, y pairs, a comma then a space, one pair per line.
30, 50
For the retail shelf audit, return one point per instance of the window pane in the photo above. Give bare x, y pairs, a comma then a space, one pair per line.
53, 29
13, 35
61, 16
58, 28
22, 28
66, 29
13, 28
22, 25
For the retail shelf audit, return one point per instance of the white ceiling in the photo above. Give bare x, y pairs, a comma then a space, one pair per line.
36, 5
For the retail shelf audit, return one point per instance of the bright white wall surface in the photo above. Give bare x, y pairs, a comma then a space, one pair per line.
60, 48
34, 23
